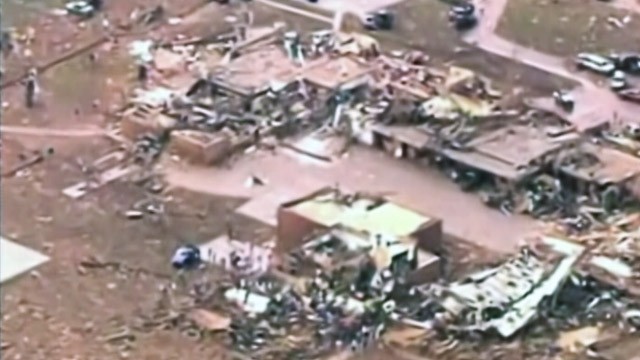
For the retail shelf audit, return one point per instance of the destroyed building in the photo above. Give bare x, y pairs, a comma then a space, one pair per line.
598, 167
550, 272
339, 249
337, 230
508, 297
274, 83
511, 153
360, 212
258, 89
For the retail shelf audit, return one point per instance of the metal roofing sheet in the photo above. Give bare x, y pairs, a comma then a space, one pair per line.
388, 218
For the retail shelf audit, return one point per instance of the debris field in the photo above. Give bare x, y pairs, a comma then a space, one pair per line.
341, 272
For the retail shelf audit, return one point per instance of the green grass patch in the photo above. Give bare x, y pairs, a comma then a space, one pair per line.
569, 27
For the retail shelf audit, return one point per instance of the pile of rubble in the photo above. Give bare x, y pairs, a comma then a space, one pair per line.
238, 89
273, 317
318, 312
520, 161
206, 98
552, 286
254, 85
614, 253
352, 279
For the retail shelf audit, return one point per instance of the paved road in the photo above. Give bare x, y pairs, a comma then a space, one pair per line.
419, 187
591, 97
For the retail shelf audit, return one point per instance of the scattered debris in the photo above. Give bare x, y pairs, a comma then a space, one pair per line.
210, 320
36, 158
351, 268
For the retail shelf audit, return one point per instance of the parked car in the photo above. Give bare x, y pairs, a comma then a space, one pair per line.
186, 257
629, 62
630, 95
80, 8
618, 81
564, 99
633, 130
596, 63
379, 20
463, 16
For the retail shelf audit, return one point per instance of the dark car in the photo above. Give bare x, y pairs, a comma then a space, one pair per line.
630, 95
379, 20
463, 16
186, 257
460, 10
564, 99
628, 62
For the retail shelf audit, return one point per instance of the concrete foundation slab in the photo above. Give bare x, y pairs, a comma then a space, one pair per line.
420, 188
16, 259
264, 207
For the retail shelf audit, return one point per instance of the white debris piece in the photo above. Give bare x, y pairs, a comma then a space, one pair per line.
141, 50
513, 290
249, 302
155, 97
613, 266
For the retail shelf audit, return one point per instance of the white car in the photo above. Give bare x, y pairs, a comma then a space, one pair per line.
618, 81
80, 8
595, 63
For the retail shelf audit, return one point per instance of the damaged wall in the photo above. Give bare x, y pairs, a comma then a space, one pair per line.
429, 269
201, 148
140, 122
298, 219
293, 229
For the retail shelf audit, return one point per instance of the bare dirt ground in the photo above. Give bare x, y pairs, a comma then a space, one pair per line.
566, 28
54, 36
62, 311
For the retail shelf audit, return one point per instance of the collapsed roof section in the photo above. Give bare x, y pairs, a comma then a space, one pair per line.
370, 214
614, 256
603, 165
253, 72
513, 153
507, 298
